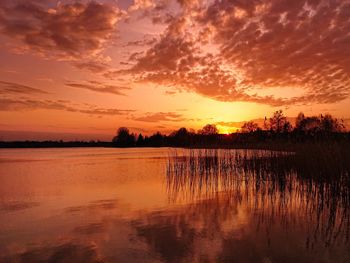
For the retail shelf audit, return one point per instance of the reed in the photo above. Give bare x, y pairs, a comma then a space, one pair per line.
314, 178
323, 163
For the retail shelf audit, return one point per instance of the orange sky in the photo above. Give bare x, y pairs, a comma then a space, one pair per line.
81, 69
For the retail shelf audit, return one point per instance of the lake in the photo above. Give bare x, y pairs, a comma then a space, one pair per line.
142, 205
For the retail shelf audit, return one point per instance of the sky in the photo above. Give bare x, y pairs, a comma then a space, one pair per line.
81, 69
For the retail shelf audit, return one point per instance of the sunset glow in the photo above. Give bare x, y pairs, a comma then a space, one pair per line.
149, 131
81, 69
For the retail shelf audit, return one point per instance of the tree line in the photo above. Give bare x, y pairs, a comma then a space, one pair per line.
275, 128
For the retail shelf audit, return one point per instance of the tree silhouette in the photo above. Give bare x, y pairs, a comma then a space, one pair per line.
330, 124
157, 140
249, 127
140, 140
279, 123
307, 125
275, 129
323, 124
181, 137
209, 129
300, 118
124, 138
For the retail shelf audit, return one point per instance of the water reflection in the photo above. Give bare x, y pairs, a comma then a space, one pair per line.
166, 207
277, 205
12, 206
225, 229
66, 252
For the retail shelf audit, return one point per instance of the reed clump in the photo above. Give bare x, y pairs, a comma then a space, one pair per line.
313, 178
324, 166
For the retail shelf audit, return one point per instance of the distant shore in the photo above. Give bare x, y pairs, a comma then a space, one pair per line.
53, 144
277, 133
221, 142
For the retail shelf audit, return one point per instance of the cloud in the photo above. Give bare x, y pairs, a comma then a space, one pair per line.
286, 44
7, 104
233, 124
18, 89
259, 121
135, 56
166, 55
93, 66
141, 5
99, 87
225, 50
160, 116
170, 92
66, 31
143, 42
176, 61
158, 11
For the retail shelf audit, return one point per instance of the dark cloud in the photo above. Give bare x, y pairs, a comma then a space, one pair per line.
138, 129
142, 42
66, 31
176, 61
135, 56
257, 45
227, 50
92, 66
18, 89
168, 53
99, 87
286, 44
160, 116
159, 12
7, 104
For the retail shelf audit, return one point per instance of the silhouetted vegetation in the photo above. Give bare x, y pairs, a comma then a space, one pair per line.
124, 138
277, 133
316, 180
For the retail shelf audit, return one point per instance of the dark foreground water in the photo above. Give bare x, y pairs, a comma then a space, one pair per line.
133, 205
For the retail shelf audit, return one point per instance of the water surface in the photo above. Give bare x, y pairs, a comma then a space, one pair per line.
125, 205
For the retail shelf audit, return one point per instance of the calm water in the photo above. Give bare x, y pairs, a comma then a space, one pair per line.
122, 205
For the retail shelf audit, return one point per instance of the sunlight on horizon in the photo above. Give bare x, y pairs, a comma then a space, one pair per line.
91, 67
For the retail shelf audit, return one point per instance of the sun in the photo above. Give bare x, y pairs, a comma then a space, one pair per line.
226, 130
